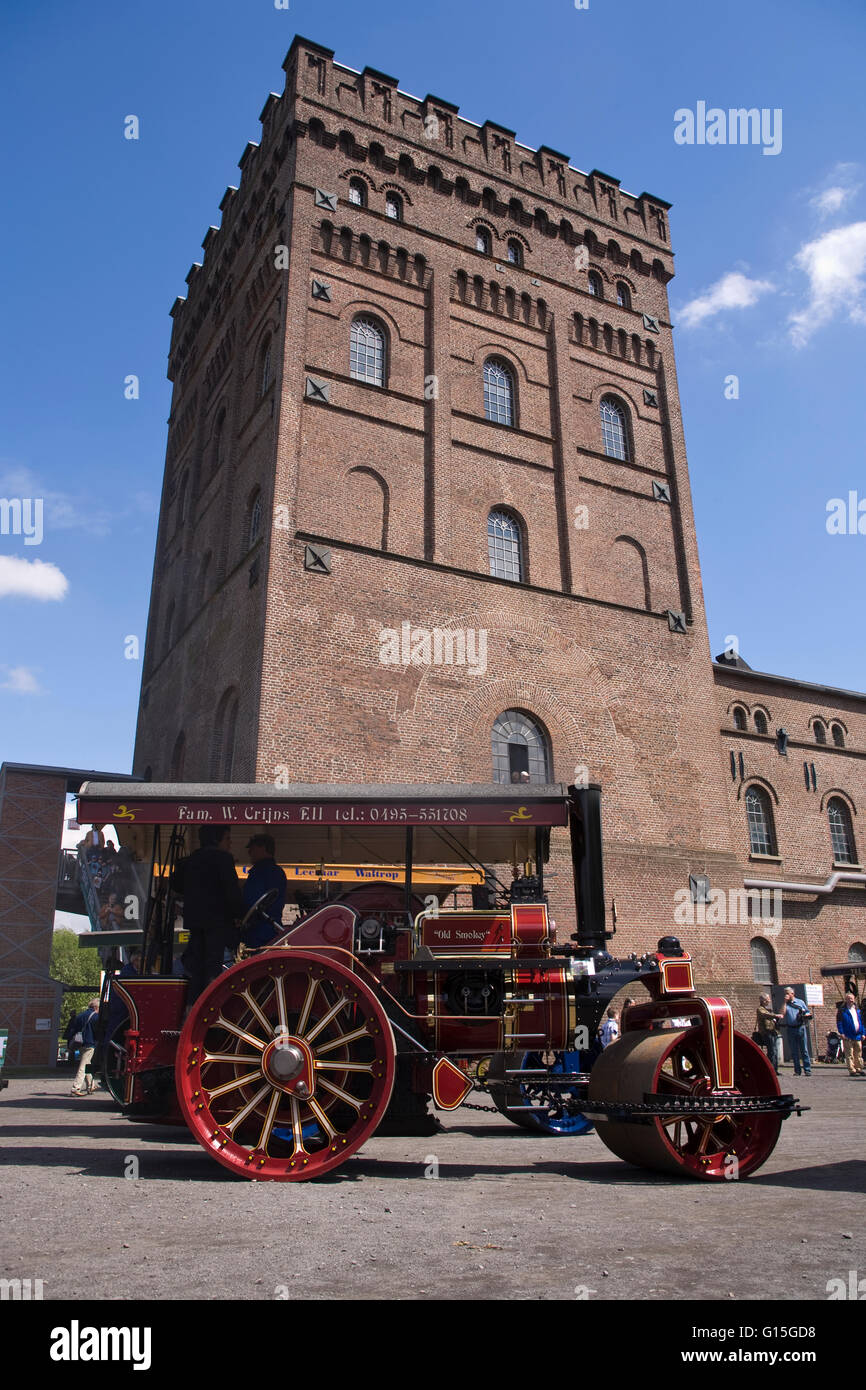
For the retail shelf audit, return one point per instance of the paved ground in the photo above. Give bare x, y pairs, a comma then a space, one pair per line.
510, 1216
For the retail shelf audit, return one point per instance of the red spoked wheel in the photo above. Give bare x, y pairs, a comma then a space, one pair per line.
285, 1066
716, 1145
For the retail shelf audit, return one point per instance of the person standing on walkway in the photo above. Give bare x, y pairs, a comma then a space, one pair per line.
83, 1082
849, 1022
766, 1024
795, 1016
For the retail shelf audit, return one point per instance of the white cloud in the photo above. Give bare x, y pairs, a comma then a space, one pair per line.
831, 200
21, 681
733, 291
835, 264
31, 579
63, 512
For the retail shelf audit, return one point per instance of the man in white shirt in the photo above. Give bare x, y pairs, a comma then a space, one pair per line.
609, 1029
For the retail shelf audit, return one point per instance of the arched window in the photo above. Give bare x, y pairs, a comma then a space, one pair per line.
763, 961
498, 392
182, 495
358, 193
254, 528
178, 757
760, 722
505, 546
857, 951
218, 437
819, 731
223, 746
515, 252
394, 207
595, 284
367, 351
482, 241
740, 721
204, 575
623, 295
841, 832
265, 368
759, 813
169, 628
838, 735
521, 751
614, 428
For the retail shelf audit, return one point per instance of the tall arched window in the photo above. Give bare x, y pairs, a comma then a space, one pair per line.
623, 295
265, 368
482, 241
505, 546
740, 721
223, 746
498, 392
367, 351
358, 192
841, 832
838, 735
254, 528
168, 637
394, 207
819, 731
217, 445
857, 951
595, 284
760, 722
521, 749
178, 756
759, 813
763, 962
182, 498
515, 252
614, 428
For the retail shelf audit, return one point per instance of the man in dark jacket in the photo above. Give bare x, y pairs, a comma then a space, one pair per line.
84, 1083
212, 904
264, 875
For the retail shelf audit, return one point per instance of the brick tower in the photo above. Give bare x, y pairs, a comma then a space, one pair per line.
426, 513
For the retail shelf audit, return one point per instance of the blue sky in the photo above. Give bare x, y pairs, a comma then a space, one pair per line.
99, 232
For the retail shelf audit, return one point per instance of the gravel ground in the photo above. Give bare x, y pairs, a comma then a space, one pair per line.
510, 1216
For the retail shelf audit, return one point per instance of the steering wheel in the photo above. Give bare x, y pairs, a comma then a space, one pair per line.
260, 905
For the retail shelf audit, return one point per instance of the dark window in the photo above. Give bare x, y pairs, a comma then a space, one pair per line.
763, 961
515, 252
367, 352
265, 373
505, 546
760, 722
838, 735
819, 731
595, 284
498, 392
623, 295
520, 749
857, 951
759, 813
841, 832
358, 193
394, 207
178, 757
740, 721
482, 241
255, 515
614, 428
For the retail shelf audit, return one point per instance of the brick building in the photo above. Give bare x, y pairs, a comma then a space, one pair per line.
442, 363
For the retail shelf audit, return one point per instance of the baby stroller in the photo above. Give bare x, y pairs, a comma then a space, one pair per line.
834, 1048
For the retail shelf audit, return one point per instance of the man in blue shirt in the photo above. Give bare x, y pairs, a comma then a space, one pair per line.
84, 1083
849, 1022
264, 875
795, 1016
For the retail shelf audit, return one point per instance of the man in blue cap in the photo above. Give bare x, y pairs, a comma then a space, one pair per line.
264, 875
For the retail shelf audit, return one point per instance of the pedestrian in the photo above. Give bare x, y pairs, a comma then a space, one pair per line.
609, 1029
212, 904
795, 1016
83, 1083
767, 1030
264, 875
849, 1022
